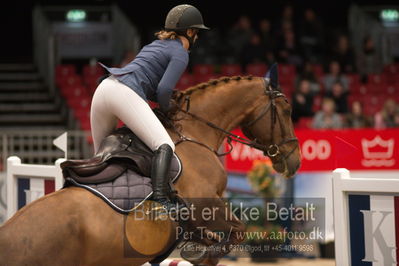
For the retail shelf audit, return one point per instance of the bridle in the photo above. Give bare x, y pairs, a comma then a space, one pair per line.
272, 150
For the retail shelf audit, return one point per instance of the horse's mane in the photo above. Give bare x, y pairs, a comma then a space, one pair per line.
179, 96
204, 85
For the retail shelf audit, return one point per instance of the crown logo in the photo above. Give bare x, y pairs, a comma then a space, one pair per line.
378, 152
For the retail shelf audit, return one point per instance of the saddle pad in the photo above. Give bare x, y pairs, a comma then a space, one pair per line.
129, 189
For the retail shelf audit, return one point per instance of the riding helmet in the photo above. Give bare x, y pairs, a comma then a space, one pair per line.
184, 17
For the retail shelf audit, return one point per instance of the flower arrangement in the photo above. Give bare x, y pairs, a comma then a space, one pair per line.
267, 184
263, 179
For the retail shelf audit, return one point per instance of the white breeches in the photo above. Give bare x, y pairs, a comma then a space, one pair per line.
113, 100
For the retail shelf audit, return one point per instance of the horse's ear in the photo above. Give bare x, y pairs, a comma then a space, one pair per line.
272, 75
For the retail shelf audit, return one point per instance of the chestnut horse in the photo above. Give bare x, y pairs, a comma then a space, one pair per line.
74, 227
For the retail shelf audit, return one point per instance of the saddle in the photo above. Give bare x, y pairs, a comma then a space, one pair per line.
119, 172
118, 152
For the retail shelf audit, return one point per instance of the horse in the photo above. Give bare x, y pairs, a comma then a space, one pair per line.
74, 227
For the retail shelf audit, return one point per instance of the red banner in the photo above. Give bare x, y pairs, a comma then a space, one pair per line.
325, 150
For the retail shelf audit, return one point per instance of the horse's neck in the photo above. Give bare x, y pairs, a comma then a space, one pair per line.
225, 105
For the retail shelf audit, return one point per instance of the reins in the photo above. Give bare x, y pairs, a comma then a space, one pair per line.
272, 150
230, 137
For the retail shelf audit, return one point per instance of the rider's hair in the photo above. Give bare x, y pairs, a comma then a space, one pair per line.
163, 34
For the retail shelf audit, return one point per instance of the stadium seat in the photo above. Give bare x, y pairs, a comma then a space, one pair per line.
287, 88
358, 89
77, 91
91, 83
153, 105
256, 69
64, 70
203, 69
317, 101
230, 70
85, 125
79, 103
376, 79
352, 98
391, 73
205, 78
93, 70
391, 90
82, 113
120, 124
185, 81
391, 78
318, 70
371, 110
287, 70
289, 97
368, 89
287, 85
354, 80
304, 123
392, 69
287, 75
70, 80
372, 104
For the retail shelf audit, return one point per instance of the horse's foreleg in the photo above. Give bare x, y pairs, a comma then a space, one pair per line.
221, 232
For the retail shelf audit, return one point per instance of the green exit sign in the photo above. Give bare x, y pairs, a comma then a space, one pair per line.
389, 15
76, 15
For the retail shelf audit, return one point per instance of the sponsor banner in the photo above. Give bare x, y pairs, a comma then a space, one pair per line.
373, 222
326, 150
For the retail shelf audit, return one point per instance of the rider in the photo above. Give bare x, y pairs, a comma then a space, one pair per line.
152, 75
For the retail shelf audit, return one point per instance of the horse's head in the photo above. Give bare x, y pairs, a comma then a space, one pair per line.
270, 126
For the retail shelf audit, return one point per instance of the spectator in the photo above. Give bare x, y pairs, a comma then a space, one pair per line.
253, 52
311, 36
302, 101
387, 116
287, 20
266, 34
368, 60
339, 96
356, 118
334, 74
327, 118
239, 35
209, 49
308, 74
287, 50
343, 54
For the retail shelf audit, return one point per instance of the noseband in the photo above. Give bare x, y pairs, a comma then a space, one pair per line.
272, 150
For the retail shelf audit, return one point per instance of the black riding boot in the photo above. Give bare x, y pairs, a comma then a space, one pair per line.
159, 176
